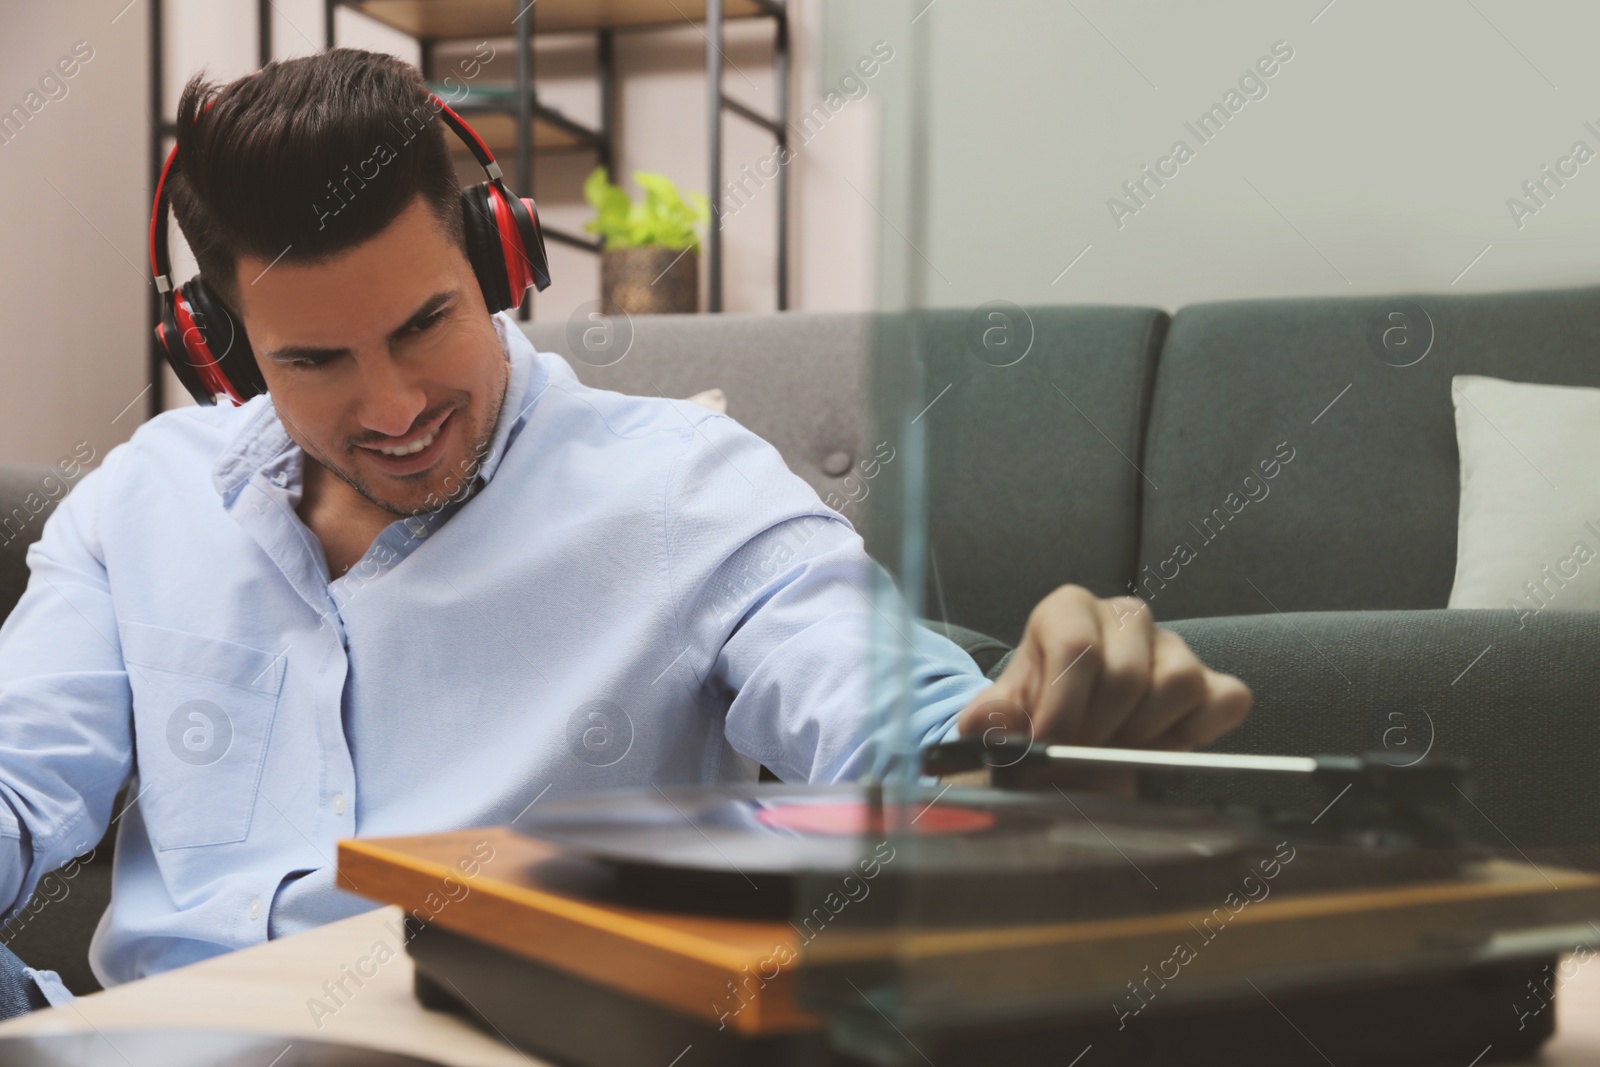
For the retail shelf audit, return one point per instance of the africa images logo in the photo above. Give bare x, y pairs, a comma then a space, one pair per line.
199, 733
599, 733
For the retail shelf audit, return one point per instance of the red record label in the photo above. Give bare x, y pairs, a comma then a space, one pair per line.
852, 817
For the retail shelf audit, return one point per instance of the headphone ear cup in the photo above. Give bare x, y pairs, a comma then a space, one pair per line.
170, 336
225, 340
530, 243
483, 247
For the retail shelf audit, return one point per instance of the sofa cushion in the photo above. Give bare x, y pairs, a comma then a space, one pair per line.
1031, 477
1509, 695
1515, 701
1365, 514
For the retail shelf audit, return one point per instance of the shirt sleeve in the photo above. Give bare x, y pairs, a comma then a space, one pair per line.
780, 607
65, 704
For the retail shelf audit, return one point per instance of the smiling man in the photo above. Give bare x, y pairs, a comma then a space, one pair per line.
406, 397
429, 577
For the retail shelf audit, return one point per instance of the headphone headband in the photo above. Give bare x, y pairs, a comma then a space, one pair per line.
160, 261
504, 245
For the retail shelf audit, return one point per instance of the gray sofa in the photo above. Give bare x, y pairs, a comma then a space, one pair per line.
1120, 435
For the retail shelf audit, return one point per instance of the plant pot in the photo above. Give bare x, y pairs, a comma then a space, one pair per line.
649, 281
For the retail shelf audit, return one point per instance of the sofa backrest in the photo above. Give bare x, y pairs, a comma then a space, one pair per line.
793, 379
1121, 437
1030, 465
1364, 514
1031, 476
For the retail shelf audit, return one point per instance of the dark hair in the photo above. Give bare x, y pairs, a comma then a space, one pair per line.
306, 158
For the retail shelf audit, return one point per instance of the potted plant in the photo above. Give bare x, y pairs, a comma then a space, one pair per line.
649, 259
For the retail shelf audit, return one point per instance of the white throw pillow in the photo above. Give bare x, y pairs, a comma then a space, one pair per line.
715, 399
1529, 530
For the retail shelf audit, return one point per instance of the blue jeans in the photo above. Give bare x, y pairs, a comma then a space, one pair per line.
19, 994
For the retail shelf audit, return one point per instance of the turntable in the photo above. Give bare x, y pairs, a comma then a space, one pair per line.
964, 925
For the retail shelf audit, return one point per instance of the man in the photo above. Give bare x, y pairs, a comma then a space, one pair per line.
430, 577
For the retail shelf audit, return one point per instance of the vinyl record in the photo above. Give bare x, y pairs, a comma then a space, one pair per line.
752, 849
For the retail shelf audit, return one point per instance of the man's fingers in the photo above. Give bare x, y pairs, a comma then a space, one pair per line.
1006, 705
1177, 689
1095, 672
1227, 704
1000, 724
1052, 674
1127, 634
1066, 629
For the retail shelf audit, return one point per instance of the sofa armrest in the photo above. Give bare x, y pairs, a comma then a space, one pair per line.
1517, 701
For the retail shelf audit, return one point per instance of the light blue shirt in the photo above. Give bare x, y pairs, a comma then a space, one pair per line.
639, 591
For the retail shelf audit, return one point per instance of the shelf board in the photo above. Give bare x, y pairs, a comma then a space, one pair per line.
447, 19
499, 132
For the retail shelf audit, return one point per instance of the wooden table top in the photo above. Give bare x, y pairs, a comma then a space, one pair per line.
267, 989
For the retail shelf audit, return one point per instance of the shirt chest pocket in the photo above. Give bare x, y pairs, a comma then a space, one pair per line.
202, 716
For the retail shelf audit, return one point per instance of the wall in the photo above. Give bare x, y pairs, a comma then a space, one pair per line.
73, 189
1380, 158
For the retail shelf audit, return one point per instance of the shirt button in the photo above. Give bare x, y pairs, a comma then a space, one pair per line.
280, 479
338, 803
255, 907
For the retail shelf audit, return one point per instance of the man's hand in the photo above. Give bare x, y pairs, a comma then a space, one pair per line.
1099, 672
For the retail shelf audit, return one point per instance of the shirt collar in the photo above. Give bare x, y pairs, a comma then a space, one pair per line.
524, 386
262, 445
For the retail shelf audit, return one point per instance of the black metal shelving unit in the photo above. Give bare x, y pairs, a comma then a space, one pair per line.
533, 125
433, 21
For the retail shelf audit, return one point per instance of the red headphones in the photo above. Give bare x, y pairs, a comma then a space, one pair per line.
505, 245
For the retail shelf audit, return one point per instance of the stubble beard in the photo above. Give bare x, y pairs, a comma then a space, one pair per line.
469, 467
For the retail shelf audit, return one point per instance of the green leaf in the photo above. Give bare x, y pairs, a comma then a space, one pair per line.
595, 185
611, 208
661, 219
